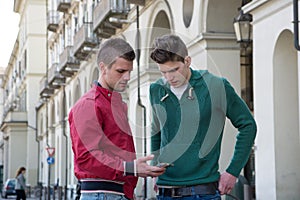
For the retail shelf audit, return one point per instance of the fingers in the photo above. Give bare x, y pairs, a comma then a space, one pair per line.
224, 190
144, 170
150, 173
226, 183
156, 169
148, 170
146, 158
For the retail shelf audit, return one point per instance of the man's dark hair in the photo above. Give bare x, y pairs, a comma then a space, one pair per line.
168, 48
115, 48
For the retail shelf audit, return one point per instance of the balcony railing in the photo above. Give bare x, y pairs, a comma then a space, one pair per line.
63, 5
52, 22
103, 11
9, 106
84, 41
74, 3
137, 2
15, 117
45, 90
55, 79
68, 63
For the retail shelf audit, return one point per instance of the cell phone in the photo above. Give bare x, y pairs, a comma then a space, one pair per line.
165, 165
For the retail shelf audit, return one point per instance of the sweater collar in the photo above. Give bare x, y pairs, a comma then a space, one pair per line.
196, 76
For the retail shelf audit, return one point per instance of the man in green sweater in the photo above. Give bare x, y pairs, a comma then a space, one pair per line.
189, 108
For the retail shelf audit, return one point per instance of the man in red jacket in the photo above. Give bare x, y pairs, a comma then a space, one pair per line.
104, 153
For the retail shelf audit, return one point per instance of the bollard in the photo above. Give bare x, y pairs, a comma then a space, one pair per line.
65, 192
46, 193
59, 193
40, 194
53, 189
72, 193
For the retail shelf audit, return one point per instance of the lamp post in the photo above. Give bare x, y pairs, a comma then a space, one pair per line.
296, 24
243, 28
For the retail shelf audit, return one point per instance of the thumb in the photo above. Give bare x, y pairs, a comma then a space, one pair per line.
146, 158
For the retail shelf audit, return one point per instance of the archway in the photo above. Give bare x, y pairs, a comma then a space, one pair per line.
219, 15
161, 26
286, 116
94, 76
76, 92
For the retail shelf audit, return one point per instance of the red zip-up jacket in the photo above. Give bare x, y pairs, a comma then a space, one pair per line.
101, 138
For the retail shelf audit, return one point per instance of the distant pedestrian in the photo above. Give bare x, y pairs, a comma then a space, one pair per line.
20, 184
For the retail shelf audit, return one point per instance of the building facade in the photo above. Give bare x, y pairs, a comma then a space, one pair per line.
21, 91
276, 104
53, 64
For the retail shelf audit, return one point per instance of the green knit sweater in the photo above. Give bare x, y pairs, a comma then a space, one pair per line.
188, 132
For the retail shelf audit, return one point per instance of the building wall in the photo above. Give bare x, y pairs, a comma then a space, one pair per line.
2, 77
276, 86
17, 156
35, 45
207, 28
21, 87
211, 47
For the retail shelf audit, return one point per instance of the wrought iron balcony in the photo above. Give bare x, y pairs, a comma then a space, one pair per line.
13, 117
52, 20
75, 3
45, 90
9, 106
106, 9
137, 2
84, 41
63, 5
68, 63
105, 30
55, 79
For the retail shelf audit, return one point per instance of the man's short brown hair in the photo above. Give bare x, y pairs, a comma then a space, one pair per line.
168, 48
115, 48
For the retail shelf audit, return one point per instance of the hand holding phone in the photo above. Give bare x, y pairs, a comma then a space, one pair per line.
165, 165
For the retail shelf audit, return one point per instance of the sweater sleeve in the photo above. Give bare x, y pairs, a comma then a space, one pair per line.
242, 119
21, 181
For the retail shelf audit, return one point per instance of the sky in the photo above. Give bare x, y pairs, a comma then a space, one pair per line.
8, 30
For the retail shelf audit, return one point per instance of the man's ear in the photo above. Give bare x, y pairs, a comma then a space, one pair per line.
187, 61
102, 67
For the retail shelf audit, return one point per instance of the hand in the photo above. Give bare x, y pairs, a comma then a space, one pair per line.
226, 183
144, 170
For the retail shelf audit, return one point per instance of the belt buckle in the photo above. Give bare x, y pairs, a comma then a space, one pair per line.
176, 192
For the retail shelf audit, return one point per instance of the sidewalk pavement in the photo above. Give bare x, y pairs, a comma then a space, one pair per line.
14, 197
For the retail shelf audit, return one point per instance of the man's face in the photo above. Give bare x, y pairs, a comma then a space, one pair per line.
117, 76
177, 73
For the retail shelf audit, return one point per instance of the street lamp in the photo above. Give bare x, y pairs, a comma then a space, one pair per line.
243, 28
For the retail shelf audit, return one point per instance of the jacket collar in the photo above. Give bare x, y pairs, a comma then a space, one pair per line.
97, 90
196, 76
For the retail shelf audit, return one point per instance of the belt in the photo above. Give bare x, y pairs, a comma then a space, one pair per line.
202, 189
101, 186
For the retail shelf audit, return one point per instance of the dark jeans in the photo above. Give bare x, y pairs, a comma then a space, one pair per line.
21, 195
